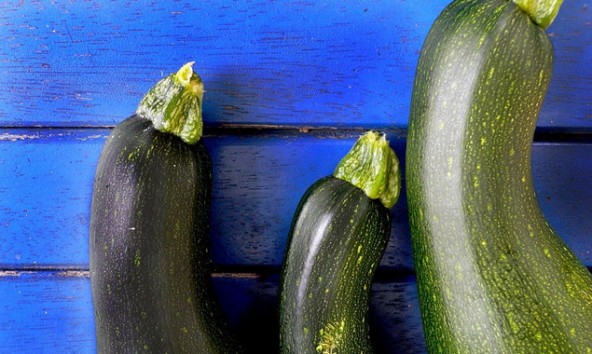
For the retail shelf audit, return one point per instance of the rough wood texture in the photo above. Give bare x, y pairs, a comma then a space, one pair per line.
70, 70
46, 183
52, 312
291, 62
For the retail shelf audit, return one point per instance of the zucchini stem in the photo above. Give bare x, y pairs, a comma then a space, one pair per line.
372, 166
174, 104
542, 12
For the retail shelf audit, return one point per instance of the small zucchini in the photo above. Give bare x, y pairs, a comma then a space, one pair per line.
492, 274
338, 236
149, 262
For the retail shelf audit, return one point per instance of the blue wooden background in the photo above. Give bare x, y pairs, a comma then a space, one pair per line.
290, 85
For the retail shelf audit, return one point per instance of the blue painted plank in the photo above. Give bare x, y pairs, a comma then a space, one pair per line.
51, 312
395, 320
46, 181
567, 103
42, 313
563, 181
332, 63
45, 189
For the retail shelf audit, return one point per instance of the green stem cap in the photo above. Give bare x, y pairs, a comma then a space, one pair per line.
372, 166
542, 12
174, 104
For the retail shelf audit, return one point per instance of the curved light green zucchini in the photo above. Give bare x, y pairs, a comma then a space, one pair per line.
492, 274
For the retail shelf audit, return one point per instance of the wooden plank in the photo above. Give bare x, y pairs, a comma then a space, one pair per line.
564, 195
331, 63
45, 313
51, 312
395, 320
45, 190
46, 181
572, 73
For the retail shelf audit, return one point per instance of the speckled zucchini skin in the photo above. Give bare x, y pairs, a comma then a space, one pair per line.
149, 262
337, 239
493, 276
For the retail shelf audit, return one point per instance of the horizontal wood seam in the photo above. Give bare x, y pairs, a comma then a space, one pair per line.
383, 274
542, 135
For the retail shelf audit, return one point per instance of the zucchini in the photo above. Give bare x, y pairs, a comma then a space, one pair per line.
149, 263
338, 236
492, 274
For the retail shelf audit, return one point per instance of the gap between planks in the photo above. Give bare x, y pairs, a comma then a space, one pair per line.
382, 275
542, 135
86, 274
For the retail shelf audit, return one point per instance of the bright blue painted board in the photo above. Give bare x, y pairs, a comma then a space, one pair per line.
46, 181
319, 63
51, 312
45, 313
332, 63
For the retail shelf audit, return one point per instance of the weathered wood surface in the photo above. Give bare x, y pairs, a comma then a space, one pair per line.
51, 312
46, 184
274, 72
333, 63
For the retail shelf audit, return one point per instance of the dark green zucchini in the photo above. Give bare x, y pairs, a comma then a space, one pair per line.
492, 274
149, 263
339, 233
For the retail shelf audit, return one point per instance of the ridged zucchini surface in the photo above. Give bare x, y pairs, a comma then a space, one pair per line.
493, 276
